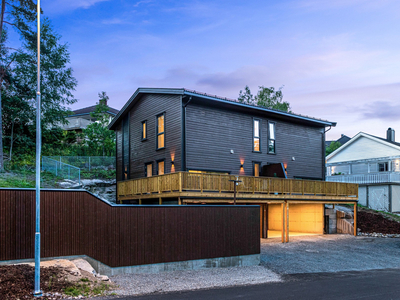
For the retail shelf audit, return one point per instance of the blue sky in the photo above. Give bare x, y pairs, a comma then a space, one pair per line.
338, 60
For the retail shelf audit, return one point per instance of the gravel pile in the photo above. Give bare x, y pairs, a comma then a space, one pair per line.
137, 284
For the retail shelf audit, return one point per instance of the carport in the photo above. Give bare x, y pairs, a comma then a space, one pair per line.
296, 218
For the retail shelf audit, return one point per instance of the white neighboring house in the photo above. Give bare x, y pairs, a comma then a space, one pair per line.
81, 118
373, 163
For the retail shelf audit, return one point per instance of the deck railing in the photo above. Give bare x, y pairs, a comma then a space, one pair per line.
216, 183
384, 177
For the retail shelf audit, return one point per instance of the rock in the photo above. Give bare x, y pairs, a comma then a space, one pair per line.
83, 265
102, 277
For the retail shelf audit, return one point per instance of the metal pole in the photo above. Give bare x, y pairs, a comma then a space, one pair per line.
37, 292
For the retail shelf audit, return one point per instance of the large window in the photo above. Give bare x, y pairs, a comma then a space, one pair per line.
144, 130
256, 135
161, 131
271, 138
148, 170
160, 167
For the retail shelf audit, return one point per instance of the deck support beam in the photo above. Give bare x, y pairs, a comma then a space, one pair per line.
287, 222
283, 222
355, 219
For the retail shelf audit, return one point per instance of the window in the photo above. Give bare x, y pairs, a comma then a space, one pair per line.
148, 170
161, 131
383, 167
256, 136
256, 168
125, 148
144, 130
271, 138
160, 167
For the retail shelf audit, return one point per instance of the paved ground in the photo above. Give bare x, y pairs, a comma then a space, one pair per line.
366, 285
322, 254
330, 253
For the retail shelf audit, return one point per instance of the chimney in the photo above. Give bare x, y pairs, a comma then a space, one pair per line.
390, 135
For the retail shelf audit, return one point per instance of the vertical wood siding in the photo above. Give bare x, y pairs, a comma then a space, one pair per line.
77, 223
212, 132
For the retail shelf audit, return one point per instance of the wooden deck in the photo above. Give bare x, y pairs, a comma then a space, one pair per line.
216, 188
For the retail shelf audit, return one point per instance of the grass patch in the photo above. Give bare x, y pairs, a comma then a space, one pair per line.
17, 183
85, 289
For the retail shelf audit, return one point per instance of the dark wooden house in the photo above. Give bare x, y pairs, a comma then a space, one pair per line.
203, 141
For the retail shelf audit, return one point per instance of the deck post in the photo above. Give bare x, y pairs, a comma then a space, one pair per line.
287, 222
265, 221
283, 222
355, 218
160, 201
140, 201
179, 201
180, 181
220, 183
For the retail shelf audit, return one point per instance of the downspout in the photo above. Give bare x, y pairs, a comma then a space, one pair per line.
323, 154
184, 162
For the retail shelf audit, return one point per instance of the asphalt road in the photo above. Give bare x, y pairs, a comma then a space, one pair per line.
371, 284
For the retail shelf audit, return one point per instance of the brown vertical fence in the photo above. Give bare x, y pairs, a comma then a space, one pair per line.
78, 223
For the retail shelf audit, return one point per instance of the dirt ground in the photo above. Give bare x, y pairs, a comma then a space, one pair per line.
371, 221
58, 280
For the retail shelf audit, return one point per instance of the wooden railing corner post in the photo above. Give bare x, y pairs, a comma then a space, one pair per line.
180, 181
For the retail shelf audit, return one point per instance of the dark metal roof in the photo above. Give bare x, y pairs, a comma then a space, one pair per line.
342, 140
89, 109
383, 139
182, 91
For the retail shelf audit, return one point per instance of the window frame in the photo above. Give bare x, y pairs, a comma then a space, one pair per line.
254, 168
157, 164
145, 131
158, 133
259, 135
385, 166
269, 138
145, 169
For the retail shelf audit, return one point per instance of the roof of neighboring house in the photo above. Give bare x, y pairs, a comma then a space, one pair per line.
182, 91
342, 140
366, 135
89, 109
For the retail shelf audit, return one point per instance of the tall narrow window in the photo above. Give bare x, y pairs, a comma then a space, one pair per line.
160, 167
271, 138
256, 136
144, 130
148, 170
125, 148
160, 131
256, 169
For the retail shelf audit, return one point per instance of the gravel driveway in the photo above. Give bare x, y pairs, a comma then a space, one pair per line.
330, 253
305, 254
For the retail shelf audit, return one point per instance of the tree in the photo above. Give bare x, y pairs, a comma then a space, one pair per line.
332, 147
13, 12
266, 97
99, 139
57, 84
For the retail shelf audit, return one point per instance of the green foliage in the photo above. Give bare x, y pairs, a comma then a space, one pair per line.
332, 147
100, 141
98, 174
85, 289
266, 97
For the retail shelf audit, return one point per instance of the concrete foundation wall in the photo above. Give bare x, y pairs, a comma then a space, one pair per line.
331, 212
362, 195
395, 198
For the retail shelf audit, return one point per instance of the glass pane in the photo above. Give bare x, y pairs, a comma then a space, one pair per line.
149, 170
272, 131
161, 124
256, 170
271, 147
256, 128
256, 144
161, 141
144, 130
160, 168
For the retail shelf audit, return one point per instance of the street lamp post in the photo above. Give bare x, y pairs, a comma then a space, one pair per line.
37, 292
235, 183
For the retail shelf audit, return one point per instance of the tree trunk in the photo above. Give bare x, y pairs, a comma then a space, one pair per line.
1, 136
11, 140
